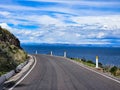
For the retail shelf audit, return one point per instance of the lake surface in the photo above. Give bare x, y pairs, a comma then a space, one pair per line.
107, 55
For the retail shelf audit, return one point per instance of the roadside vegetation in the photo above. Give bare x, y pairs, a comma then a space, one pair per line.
11, 54
10, 57
113, 70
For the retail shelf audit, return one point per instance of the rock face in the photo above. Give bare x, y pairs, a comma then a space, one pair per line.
11, 54
6, 36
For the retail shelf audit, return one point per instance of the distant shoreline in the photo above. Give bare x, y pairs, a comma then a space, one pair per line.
77, 45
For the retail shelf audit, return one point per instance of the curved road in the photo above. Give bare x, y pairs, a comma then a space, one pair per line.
57, 73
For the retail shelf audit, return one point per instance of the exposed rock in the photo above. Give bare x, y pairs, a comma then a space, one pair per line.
6, 36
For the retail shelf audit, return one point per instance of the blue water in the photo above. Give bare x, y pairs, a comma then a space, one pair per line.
107, 55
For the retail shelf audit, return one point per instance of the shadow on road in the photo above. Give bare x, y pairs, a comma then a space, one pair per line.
21, 85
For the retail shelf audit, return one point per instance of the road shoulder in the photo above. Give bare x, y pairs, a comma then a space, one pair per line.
18, 76
96, 71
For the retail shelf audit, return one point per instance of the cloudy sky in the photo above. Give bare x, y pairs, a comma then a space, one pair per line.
62, 21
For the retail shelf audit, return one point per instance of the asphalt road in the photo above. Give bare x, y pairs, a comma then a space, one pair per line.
56, 73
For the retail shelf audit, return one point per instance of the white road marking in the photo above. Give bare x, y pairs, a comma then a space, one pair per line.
24, 76
97, 72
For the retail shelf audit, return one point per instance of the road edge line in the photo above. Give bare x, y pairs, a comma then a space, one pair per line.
24, 75
97, 72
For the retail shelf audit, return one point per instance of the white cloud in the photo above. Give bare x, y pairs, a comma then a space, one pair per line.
4, 25
4, 13
17, 7
61, 34
55, 8
82, 2
109, 22
62, 23
100, 35
106, 22
57, 36
73, 7
47, 20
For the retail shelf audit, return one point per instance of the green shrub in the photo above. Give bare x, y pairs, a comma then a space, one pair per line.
113, 70
91, 62
118, 72
10, 57
83, 59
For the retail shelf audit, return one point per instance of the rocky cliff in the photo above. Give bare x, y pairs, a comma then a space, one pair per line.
6, 36
11, 54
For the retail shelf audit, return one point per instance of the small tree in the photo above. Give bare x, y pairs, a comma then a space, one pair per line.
113, 70
83, 59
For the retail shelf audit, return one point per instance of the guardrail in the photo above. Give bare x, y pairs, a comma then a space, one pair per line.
8, 75
19, 67
2, 79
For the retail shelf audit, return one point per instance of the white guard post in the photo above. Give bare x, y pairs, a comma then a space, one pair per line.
51, 53
36, 52
96, 61
65, 54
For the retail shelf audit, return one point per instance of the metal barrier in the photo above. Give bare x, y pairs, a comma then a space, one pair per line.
2, 79
8, 75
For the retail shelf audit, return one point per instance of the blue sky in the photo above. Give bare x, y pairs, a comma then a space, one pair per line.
63, 21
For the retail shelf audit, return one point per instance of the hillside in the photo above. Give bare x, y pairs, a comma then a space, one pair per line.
11, 54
